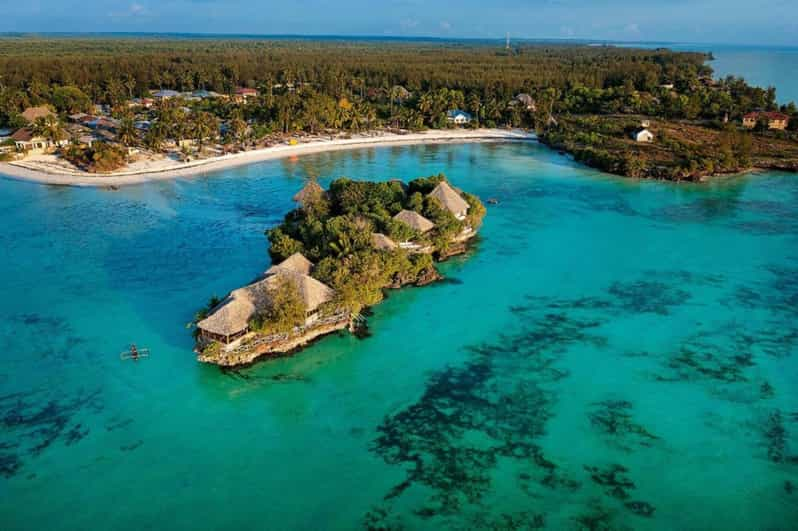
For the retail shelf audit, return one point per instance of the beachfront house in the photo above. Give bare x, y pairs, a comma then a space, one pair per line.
774, 120
243, 94
458, 117
526, 101
643, 135
229, 320
26, 141
415, 221
451, 200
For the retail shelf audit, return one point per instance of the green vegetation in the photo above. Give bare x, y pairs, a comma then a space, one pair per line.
284, 311
101, 157
308, 86
569, 93
682, 150
334, 229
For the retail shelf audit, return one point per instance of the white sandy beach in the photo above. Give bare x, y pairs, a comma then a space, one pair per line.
50, 170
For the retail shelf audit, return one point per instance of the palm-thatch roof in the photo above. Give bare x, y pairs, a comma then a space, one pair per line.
382, 242
233, 314
311, 191
31, 114
296, 263
414, 220
313, 292
449, 198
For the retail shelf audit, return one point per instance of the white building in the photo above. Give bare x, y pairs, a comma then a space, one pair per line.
643, 135
458, 117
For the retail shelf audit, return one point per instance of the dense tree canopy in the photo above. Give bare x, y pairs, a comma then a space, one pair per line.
307, 85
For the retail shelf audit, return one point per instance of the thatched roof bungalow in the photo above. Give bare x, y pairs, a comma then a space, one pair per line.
296, 263
382, 242
310, 192
450, 199
229, 320
415, 221
31, 114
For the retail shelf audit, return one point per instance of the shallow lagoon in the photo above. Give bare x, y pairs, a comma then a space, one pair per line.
611, 353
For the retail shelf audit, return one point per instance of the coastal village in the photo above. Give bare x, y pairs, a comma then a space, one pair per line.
665, 118
169, 129
251, 321
133, 137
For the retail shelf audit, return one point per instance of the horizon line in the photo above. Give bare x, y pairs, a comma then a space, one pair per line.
418, 38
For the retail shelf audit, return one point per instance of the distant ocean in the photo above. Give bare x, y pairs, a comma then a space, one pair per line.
763, 66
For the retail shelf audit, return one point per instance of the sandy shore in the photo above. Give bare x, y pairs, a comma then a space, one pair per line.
49, 171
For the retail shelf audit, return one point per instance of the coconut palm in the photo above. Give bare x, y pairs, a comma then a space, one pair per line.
127, 131
50, 128
156, 136
238, 127
204, 126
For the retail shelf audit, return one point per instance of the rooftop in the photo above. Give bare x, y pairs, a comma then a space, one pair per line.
382, 242
233, 314
296, 263
449, 198
31, 114
311, 190
770, 115
414, 220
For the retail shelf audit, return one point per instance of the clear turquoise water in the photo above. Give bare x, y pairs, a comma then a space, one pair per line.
599, 323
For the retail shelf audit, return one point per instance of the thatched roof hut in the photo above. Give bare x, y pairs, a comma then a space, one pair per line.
31, 114
382, 242
310, 192
414, 220
450, 199
295, 263
230, 319
313, 292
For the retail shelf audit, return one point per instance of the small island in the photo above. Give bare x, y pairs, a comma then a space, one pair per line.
335, 255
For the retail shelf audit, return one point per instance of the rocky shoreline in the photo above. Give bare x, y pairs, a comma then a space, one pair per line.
256, 348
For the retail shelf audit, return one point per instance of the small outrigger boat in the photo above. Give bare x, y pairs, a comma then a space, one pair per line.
134, 353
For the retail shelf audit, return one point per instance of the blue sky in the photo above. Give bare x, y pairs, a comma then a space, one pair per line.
718, 21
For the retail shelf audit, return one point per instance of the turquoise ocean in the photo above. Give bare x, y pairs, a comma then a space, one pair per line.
611, 354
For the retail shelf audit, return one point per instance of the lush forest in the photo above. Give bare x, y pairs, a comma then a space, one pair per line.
312, 86
334, 230
411, 84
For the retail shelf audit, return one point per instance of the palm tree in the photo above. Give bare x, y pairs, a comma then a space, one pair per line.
50, 128
475, 106
127, 131
238, 127
156, 136
204, 126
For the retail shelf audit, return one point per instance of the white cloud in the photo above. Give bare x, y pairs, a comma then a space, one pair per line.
134, 10
408, 23
632, 29
445, 26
